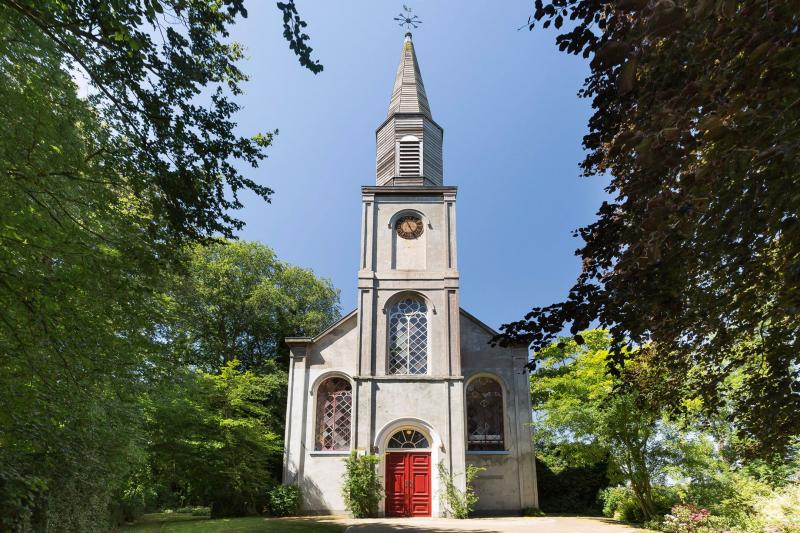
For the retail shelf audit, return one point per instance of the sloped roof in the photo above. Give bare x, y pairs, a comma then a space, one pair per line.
489, 330
408, 94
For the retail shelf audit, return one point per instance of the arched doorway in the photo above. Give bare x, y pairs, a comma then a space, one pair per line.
408, 473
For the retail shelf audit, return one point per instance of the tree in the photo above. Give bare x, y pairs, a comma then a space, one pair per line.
697, 107
147, 62
579, 422
79, 296
584, 417
98, 197
238, 301
214, 439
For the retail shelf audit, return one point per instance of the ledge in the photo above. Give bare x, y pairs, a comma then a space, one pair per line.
414, 377
489, 452
338, 453
405, 190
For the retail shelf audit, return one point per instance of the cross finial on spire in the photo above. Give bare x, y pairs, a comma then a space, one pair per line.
408, 19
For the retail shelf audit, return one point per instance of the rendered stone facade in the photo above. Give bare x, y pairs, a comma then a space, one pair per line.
409, 363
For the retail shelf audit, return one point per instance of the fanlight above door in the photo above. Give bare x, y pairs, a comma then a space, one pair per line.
408, 438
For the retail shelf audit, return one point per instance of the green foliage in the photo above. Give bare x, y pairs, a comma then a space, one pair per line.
284, 500
146, 62
195, 511
214, 439
696, 249
79, 291
177, 523
460, 503
622, 503
98, 196
237, 300
571, 489
361, 486
581, 422
619, 503
298, 40
780, 511
584, 414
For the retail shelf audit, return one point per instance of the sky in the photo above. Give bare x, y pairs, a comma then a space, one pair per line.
513, 124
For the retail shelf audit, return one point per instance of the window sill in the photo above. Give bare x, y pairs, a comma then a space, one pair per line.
489, 452
408, 377
337, 453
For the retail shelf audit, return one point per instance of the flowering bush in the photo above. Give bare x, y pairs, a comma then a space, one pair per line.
686, 518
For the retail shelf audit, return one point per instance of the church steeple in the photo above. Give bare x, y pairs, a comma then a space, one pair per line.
408, 94
409, 142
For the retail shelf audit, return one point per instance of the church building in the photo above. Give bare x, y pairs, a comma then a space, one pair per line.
409, 375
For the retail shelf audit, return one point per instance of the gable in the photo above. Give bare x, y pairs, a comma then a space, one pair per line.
476, 350
337, 345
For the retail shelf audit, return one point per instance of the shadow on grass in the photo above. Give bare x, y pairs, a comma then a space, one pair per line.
183, 523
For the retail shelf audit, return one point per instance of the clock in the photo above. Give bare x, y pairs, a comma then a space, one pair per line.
409, 227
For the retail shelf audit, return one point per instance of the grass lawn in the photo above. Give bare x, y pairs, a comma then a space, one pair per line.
185, 523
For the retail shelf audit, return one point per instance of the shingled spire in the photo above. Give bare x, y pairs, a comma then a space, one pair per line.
408, 94
409, 142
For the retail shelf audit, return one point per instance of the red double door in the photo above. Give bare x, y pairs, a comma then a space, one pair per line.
408, 484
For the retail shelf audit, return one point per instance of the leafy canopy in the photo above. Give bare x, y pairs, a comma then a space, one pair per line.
237, 300
213, 439
580, 422
151, 65
98, 196
697, 123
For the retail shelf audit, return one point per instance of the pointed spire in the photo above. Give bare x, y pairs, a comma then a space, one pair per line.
408, 94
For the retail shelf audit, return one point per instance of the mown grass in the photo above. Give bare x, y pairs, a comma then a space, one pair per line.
186, 523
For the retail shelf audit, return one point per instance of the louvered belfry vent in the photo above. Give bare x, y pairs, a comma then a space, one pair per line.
409, 158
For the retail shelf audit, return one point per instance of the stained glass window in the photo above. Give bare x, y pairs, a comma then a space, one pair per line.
485, 415
408, 337
334, 408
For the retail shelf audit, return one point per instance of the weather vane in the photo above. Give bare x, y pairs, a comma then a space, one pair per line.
408, 19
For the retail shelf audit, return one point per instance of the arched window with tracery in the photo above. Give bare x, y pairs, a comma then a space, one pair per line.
408, 337
334, 409
485, 415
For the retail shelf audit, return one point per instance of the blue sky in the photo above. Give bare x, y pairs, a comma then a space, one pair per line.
513, 127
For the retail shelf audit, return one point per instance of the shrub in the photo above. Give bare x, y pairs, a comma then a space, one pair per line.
283, 500
460, 504
361, 487
621, 504
686, 518
571, 489
780, 511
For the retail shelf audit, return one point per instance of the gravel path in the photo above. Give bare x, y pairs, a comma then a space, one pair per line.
555, 524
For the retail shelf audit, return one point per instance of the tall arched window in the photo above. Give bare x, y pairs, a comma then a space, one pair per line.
408, 337
485, 415
334, 408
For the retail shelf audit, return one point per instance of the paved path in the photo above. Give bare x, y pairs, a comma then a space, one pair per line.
546, 524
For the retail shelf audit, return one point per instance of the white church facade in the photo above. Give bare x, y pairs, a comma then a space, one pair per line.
409, 375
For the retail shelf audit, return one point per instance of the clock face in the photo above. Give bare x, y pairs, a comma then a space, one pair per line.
409, 227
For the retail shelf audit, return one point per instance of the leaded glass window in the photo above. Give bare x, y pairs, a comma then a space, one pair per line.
408, 337
334, 408
408, 438
485, 415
